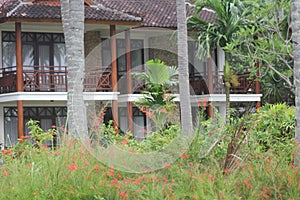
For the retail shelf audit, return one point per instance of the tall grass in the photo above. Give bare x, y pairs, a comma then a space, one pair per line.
71, 172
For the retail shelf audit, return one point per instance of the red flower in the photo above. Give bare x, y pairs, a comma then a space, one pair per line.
8, 151
5, 173
204, 103
125, 141
183, 156
138, 180
248, 185
114, 182
72, 167
111, 172
123, 194
168, 166
25, 137
96, 169
164, 110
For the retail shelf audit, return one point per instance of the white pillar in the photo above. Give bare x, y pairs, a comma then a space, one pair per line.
220, 59
1, 125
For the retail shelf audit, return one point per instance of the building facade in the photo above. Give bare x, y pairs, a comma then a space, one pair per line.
34, 70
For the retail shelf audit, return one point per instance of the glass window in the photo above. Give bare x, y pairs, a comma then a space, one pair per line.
106, 56
8, 54
137, 54
44, 55
36, 49
47, 116
60, 58
27, 54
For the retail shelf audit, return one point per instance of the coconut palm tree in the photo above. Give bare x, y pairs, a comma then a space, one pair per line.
158, 78
295, 9
220, 31
73, 26
184, 90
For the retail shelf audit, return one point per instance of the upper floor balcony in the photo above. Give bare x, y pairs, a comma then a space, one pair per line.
199, 84
99, 79
53, 79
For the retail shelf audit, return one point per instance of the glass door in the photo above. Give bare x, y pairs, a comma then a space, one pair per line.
45, 70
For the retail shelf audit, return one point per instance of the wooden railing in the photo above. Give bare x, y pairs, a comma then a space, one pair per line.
98, 79
246, 86
45, 78
8, 80
53, 79
199, 84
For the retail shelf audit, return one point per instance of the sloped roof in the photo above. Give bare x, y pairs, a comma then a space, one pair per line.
151, 13
155, 13
50, 9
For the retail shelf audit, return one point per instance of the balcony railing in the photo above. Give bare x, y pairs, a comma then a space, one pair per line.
54, 79
199, 84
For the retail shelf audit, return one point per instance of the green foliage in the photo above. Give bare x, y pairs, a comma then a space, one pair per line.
229, 77
269, 131
37, 134
220, 31
31, 143
55, 174
251, 32
157, 73
154, 141
157, 102
267, 42
273, 127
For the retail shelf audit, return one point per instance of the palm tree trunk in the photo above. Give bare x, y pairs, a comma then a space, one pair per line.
295, 8
73, 26
184, 90
227, 94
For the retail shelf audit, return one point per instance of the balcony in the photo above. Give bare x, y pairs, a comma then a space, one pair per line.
199, 84
98, 79
53, 79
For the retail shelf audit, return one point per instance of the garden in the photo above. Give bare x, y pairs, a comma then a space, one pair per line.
261, 168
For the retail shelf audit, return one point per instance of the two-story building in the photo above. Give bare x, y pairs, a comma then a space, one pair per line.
33, 71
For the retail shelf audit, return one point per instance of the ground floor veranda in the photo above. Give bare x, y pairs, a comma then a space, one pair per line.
51, 109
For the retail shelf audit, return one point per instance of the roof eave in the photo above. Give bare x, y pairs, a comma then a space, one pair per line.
87, 21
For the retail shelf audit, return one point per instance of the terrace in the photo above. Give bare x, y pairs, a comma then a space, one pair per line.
98, 79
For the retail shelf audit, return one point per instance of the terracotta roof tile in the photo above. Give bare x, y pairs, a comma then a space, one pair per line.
47, 2
42, 9
154, 13
36, 11
157, 13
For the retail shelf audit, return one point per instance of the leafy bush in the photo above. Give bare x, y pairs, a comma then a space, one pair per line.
47, 173
273, 127
154, 141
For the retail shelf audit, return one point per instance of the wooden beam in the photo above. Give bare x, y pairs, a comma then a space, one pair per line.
210, 86
20, 118
129, 79
89, 2
114, 70
87, 21
257, 84
19, 63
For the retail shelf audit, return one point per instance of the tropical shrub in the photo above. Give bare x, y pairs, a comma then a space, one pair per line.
157, 102
273, 127
72, 172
